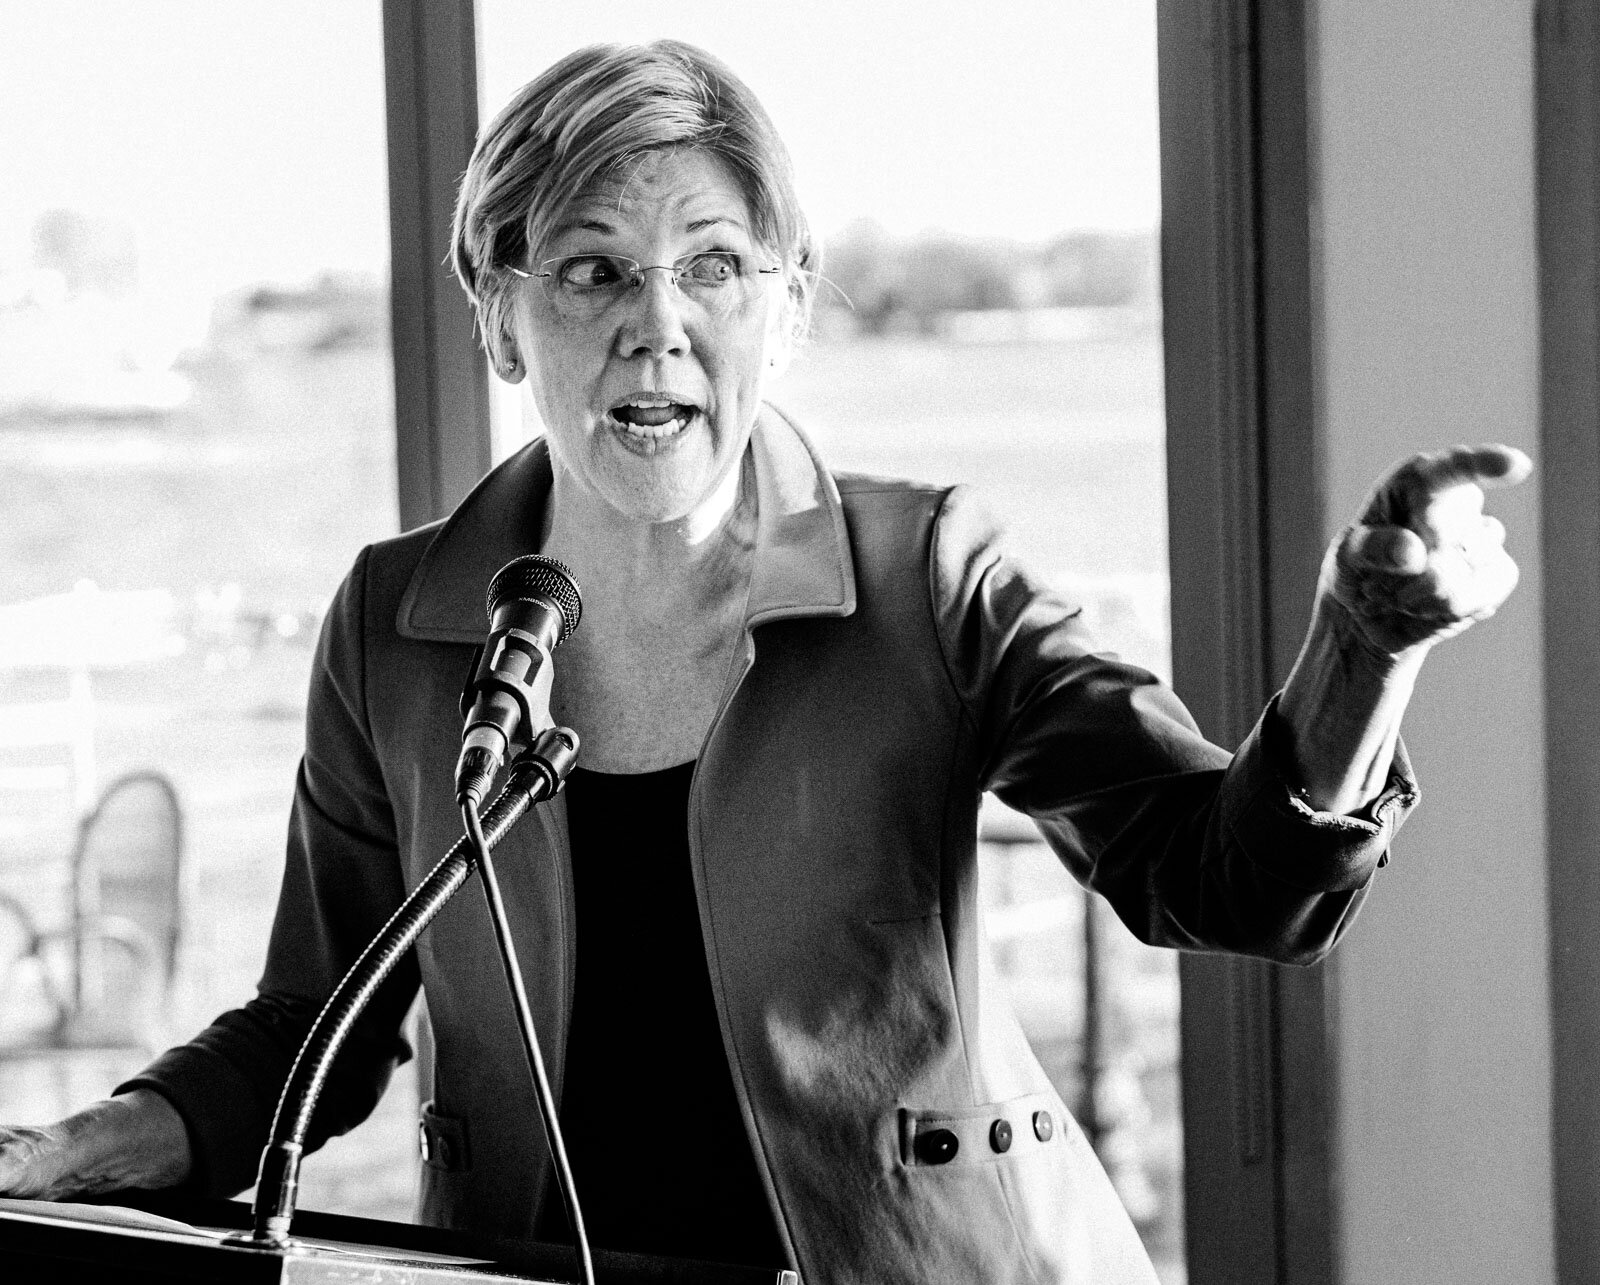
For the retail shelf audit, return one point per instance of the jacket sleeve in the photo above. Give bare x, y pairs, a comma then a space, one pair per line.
1192, 848
342, 881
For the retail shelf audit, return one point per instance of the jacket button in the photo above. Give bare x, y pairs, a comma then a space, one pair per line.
1000, 1136
937, 1146
1043, 1126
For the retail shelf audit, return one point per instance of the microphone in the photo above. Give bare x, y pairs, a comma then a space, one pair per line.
534, 605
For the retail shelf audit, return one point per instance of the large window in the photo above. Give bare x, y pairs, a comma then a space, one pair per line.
985, 183
195, 420
196, 436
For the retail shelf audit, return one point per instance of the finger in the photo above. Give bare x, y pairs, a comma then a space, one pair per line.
1482, 539
1443, 485
1394, 549
1456, 587
1455, 519
1493, 464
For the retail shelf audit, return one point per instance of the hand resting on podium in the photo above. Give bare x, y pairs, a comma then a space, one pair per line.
134, 1140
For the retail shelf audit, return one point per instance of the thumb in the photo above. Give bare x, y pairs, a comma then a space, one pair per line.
1397, 550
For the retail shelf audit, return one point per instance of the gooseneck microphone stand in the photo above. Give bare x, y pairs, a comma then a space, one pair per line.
533, 777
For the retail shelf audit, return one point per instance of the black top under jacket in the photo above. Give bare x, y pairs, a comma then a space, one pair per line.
659, 1152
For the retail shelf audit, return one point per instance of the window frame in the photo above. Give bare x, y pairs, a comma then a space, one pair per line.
441, 382
1244, 495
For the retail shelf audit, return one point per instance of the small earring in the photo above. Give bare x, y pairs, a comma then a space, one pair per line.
513, 368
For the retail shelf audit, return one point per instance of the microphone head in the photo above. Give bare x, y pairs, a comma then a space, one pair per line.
535, 576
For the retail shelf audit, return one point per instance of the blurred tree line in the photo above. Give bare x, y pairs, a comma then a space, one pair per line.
885, 283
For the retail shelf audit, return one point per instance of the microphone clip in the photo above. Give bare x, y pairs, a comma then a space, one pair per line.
505, 706
533, 604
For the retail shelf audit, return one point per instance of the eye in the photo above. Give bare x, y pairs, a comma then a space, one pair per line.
709, 268
590, 271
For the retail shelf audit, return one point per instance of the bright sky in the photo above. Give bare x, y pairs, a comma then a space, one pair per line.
244, 140
1017, 117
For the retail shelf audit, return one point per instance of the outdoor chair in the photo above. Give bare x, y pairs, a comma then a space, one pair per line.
102, 979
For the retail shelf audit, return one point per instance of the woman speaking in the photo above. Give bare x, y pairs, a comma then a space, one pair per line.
750, 925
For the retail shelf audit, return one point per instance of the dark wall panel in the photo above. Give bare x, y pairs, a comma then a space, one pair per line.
1568, 91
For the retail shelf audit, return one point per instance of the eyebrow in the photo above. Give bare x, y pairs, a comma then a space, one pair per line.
591, 223
716, 220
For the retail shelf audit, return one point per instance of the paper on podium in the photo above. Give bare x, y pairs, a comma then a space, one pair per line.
126, 1219
104, 1215
39, 1239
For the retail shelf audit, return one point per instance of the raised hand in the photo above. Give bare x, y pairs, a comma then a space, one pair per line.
1421, 564
1424, 561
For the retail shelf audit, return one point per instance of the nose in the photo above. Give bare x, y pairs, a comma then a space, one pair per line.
653, 323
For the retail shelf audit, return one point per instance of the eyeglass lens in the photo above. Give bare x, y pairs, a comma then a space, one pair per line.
588, 283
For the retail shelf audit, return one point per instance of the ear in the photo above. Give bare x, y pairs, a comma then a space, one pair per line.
497, 324
504, 356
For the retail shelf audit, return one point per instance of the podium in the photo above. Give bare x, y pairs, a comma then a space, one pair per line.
158, 1238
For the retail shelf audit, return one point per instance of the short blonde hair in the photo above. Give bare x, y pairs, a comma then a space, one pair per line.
567, 131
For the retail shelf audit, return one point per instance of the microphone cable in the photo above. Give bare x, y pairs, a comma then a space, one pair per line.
530, 1038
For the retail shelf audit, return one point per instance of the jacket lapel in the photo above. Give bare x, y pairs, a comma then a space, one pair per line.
499, 520
802, 564
802, 561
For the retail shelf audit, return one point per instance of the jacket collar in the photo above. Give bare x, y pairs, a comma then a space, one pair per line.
802, 561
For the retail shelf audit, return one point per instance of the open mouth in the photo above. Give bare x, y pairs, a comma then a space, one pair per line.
653, 417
